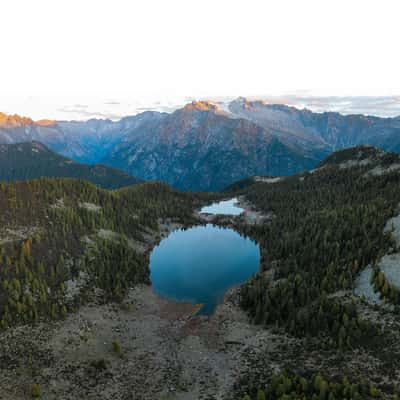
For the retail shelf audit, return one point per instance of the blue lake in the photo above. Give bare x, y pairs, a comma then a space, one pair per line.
199, 264
225, 207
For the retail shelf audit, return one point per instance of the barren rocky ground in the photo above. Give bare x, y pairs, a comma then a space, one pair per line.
165, 352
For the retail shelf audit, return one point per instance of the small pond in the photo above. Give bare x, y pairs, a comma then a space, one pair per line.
226, 207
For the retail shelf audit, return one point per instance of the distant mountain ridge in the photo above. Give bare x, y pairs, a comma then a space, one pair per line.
85, 141
328, 130
199, 147
34, 160
205, 145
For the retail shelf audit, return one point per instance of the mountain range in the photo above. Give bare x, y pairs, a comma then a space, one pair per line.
207, 146
200, 147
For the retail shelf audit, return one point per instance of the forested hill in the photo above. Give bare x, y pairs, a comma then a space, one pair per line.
57, 235
326, 230
367, 159
362, 156
33, 160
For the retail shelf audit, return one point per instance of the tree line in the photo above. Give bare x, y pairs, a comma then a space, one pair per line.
286, 386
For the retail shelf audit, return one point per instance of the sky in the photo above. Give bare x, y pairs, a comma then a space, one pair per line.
77, 59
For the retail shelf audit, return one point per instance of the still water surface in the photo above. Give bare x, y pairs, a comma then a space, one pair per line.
226, 207
199, 264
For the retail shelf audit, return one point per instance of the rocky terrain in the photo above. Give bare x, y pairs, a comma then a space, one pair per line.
163, 351
152, 348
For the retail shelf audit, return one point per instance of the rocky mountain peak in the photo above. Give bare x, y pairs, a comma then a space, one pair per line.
45, 122
7, 120
200, 106
14, 120
242, 102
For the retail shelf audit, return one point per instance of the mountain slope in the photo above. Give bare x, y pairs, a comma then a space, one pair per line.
201, 148
330, 244
33, 160
329, 131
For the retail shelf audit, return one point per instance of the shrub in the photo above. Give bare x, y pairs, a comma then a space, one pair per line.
36, 390
117, 347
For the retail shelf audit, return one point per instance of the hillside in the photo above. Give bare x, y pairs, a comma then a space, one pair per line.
328, 242
46, 225
34, 160
362, 156
320, 319
66, 245
200, 148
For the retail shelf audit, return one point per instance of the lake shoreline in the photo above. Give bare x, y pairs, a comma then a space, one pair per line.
166, 349
200, 263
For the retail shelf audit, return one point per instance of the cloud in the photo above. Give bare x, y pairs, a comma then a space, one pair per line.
117, 106
80, 113
383, 106
160, 108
